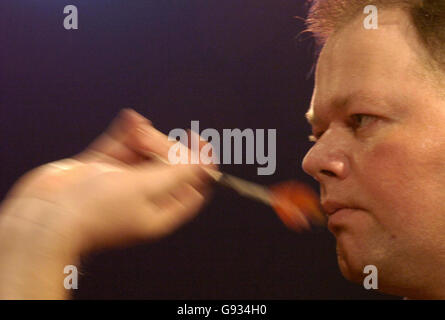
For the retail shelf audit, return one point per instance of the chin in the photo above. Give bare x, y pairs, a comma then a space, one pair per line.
351, 270
346, 270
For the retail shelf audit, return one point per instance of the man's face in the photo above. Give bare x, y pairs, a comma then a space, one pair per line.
381, 151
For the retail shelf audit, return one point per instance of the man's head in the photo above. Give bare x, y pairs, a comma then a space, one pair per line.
379, 120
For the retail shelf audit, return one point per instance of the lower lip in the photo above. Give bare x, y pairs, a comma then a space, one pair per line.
340, 217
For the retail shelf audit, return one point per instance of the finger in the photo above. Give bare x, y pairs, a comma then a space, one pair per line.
153, 142
177, 208
206, 152
117, 142
148, 140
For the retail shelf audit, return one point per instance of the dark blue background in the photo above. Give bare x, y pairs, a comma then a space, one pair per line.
226, 63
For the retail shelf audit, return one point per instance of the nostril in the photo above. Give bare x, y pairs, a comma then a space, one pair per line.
328, 173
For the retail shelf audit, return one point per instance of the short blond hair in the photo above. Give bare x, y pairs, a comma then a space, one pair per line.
428, 16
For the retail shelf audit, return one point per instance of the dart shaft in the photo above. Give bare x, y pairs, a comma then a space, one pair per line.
244, 188
247, 189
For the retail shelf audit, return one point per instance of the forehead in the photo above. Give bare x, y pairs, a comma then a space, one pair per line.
370, 63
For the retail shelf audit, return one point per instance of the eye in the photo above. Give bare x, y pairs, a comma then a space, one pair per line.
361, 120
356, 121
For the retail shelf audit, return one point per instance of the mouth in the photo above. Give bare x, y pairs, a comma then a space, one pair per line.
331, 207
338, 213
340, 218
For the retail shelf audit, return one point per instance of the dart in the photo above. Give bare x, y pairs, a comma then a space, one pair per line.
295, 203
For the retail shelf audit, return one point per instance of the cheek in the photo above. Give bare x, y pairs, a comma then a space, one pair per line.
402, 178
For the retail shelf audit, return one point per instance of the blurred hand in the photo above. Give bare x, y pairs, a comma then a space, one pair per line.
112, 193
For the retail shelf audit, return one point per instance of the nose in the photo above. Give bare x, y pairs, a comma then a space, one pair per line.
327, 159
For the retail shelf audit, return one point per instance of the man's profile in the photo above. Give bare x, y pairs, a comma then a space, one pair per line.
377, 114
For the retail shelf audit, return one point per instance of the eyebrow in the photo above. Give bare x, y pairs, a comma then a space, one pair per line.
343, 103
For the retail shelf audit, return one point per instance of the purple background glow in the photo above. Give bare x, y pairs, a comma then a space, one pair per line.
228, 64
